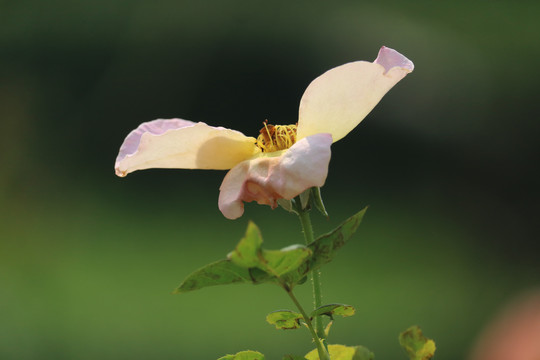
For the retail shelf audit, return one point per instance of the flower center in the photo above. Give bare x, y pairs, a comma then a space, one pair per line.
276, 137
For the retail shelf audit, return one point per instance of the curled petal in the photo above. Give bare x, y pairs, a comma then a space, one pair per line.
338, 100
156, 127
391, 59
266, 179
182, 144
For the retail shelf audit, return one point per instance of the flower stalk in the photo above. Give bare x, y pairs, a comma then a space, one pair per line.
323, 352
307, 229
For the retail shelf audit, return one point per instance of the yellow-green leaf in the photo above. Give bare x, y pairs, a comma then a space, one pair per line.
342, 352
417, 346
248, 249
244, 355
333, 309
284, 319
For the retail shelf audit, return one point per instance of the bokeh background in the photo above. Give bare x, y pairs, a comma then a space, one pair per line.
448, 163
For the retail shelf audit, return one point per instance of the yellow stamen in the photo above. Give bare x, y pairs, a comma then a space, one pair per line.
276, 137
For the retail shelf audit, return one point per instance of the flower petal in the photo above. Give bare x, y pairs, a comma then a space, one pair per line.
182, 144
338, 100
266, 179
390, 59
156, 127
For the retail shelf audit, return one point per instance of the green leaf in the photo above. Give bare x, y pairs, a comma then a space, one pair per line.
251, 264
248, 254
342, 352
248, 263
244, 355
325, 247
333, 309
363, 353
284, 319
248, 249
293, 357
222, 272
279, 262
417, 346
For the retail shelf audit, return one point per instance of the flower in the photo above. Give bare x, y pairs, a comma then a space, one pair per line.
284, 160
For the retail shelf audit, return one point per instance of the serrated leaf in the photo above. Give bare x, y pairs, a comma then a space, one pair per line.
280, 262
325, 247
244, 355
284, 319
246, 253
222, 272
292, 264
416, 345
225, 272
333, 309
249, 254
342, 352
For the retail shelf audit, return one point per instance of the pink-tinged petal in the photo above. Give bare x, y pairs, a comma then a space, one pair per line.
390, 58
182, 144
266, 179
156, 127
338, 100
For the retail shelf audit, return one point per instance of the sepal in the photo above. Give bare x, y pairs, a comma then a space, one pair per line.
317, 200
288, 205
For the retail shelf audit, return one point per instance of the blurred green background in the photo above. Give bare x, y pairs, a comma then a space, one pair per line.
448, 163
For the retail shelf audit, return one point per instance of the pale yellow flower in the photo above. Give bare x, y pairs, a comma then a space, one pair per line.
285, 160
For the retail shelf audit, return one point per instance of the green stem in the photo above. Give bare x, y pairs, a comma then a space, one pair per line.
305, 220
323, 353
